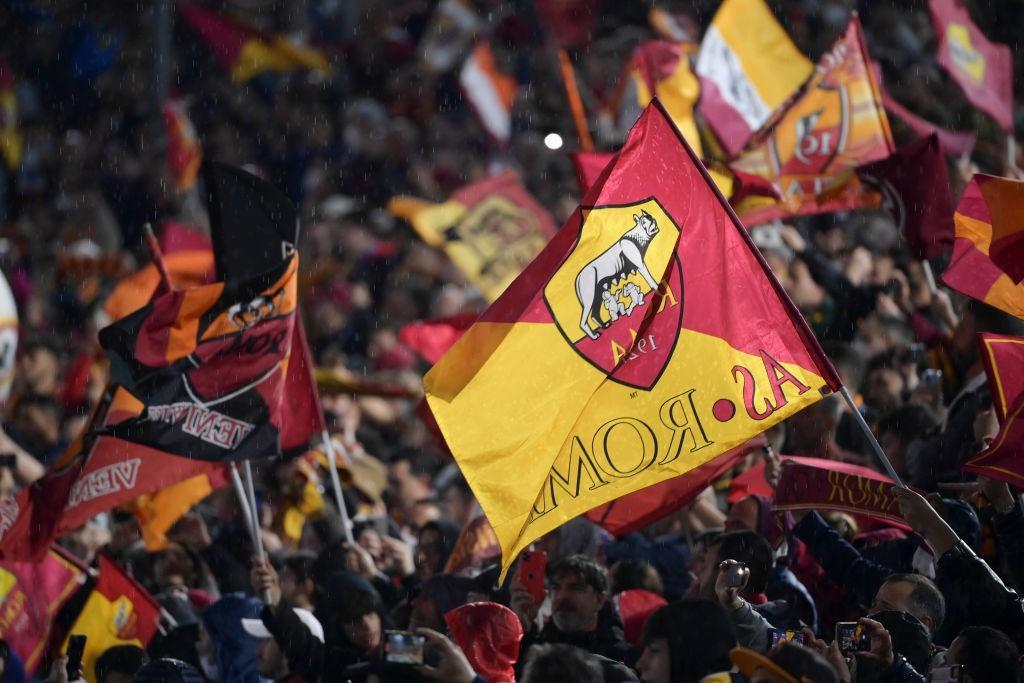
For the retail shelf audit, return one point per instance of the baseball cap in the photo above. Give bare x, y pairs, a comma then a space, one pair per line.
257, 629
789, 661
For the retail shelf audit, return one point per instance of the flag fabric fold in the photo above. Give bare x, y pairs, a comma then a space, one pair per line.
986, 263
953, 143
645, 340
914, 185
812, 145
982, 69
490, 229
748, 68
820, 484
1003, 358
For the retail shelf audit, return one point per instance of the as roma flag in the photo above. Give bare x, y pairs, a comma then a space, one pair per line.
983, 69
987, 262
490, 229
646, 339
813, 144
1003, 357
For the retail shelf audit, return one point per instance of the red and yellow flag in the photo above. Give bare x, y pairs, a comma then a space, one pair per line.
11, 144
490, 229
647, 338
988, 252
1003, 357
491, 91
159, 511
184, 153
31, 594
118, 612
245, 52
813, 145
660, 68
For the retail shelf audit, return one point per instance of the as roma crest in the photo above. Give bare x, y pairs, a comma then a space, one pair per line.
618, 297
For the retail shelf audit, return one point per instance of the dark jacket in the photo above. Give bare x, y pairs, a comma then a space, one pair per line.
608, 640
899, 672
984, 599
1009, 533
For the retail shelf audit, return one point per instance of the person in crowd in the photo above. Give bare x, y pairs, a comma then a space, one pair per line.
120, 663
688, 642
273, 662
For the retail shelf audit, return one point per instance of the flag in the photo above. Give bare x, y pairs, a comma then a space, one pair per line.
678, 28
748, 68
304, 419
31, 595
8, 338
914, 185
11, 143
597, 373
157, 512
490, 91
118, 612
835, 125
1003, 357
639, 509
986, 229
448, 34
333, 382
569, 22
818, 484
476, 545
660, 68
490, 229
589, 166
184, 153
431, 339
243, 51
952, 142
983, 69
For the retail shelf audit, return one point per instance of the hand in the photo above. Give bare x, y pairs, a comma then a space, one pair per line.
265, 582
398, 556
829, 652
880, 656
454, 666
729, 596
793, 239
772, 469
58, 670
998, 493
191, 531
360, 562
923, 518
942, 307
521, 602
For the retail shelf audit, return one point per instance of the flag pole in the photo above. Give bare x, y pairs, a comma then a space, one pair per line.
236, 479
875, 446
346, 523
929, 276
256, 537
1011, 153
572, 92
157, 255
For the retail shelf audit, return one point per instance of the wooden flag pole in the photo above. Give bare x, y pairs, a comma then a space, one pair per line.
572, 92
256, 537
346, 523
875, 446
929, 275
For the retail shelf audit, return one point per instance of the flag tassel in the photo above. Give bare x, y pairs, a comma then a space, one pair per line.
875, 446
572, 92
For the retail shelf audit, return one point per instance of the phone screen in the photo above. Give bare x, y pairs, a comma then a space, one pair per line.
403, 647
779, 635
851, 637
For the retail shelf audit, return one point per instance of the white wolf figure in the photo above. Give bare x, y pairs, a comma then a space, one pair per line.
635, 294
618, 261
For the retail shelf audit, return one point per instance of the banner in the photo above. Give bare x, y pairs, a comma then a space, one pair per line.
157, 512
31, 595
818, 484
118, 612
983, 69
598, 373
1003, 357
748, 68
816, 141
431, 339
987, 228
491, 92
244, 52
490, 229
914, 185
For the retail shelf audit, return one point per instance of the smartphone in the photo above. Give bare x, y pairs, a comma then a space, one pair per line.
779, 635
852, 637
931, 377
736, 575
533, 568
946, 674
403, 647
76, 648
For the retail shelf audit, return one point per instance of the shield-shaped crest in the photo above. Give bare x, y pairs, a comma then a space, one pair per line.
618, 297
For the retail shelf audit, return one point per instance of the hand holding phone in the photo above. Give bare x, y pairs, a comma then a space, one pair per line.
533, 567
76, 648
852, 637
403, 648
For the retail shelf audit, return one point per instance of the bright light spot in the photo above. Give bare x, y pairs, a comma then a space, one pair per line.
553, 141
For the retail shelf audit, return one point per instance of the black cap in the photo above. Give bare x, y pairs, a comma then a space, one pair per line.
167, 671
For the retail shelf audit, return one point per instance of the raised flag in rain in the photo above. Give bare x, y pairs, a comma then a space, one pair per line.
490, 91
1003, 459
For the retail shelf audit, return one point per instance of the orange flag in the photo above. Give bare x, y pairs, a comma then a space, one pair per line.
184, 153
1003, 357
646, 339
810, 147
988, 252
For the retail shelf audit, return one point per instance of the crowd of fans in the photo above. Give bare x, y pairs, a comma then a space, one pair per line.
729, 580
